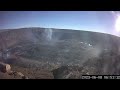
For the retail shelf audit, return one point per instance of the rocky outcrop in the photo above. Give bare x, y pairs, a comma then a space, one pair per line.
17, 72
5, 67
18, 75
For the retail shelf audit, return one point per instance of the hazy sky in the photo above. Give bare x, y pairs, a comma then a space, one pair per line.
98, 21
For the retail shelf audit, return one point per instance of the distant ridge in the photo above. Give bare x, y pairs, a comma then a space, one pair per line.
2, 30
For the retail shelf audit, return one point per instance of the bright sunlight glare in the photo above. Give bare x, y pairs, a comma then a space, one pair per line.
117, 25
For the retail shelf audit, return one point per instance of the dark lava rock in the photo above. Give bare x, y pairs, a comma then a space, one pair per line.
67, 72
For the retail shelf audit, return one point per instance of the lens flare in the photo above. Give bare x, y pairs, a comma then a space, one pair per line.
117, 24
116, 15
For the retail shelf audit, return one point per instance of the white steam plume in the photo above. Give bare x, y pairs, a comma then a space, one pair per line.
48, 33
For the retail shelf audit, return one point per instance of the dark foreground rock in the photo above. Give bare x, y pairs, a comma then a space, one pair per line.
67, 72
105, 64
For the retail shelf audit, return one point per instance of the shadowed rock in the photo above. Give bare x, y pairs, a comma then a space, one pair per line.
67, 72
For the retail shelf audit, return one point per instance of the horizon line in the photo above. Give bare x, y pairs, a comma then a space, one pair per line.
58, 28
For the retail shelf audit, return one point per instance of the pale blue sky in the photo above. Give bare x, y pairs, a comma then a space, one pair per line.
98, 21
